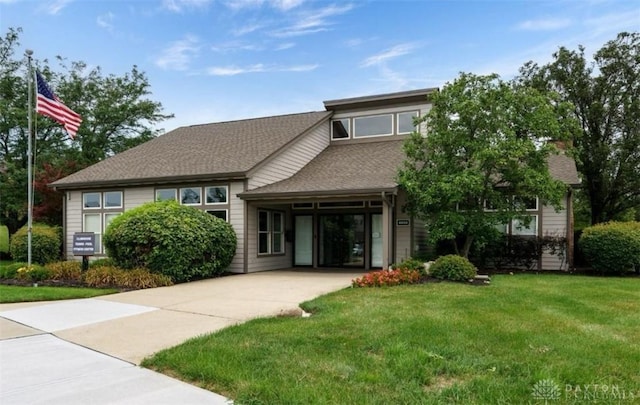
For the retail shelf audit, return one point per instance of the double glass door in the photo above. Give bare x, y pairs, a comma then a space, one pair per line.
344, 240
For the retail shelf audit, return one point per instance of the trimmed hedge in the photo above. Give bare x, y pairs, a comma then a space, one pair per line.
453, 268
171, 239
613, 247
46, 244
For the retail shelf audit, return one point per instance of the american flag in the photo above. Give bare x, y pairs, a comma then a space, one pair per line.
49, 105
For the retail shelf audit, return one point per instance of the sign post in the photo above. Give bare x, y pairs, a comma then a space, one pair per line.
84, 244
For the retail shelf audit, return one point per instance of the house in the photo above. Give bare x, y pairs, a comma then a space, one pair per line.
314, 189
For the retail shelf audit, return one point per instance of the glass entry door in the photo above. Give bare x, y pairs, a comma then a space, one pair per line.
376, 240
303, 251
341, 240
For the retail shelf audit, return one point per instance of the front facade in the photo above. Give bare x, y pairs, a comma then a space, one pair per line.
310, 190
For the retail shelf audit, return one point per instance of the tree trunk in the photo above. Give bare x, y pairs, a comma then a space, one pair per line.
466, 247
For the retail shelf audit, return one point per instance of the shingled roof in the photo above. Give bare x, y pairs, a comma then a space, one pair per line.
366, 168
341, 169
219, 150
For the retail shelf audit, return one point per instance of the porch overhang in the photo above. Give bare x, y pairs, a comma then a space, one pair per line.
257, 195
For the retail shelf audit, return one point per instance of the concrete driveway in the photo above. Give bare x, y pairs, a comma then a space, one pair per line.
87, 351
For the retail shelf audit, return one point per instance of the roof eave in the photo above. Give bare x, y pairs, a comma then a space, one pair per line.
147, 181
249, 196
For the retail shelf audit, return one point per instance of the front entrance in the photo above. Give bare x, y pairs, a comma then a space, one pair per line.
343, 240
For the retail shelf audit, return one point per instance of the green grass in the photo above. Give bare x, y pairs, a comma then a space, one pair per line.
432, 344
9, 293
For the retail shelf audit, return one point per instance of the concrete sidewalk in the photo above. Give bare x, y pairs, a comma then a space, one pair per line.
81, 351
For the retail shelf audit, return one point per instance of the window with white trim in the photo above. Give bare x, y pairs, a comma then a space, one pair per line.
191, 196
222, 214
374, 125
270, 232
166, 194
216, 194
99, 209
340, 129
405, 122
527, 227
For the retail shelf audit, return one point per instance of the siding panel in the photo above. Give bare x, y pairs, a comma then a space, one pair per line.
237, 220
73, 221
292, 159
554, 224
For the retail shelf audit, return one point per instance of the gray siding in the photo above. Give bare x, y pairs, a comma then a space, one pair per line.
403, 232
73, 220
268, 262
292, 159
237, 220
554, 224
134, 197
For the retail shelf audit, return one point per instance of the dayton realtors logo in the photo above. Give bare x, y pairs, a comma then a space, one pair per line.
547, 390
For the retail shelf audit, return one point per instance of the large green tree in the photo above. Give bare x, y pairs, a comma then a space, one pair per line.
116, 111
606, 98
484, 144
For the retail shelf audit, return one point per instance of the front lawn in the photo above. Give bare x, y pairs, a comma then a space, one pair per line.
10, 293
523, 339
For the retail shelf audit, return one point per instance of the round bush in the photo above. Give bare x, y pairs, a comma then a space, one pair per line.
45, 244
613, 247
171, 239
453, 268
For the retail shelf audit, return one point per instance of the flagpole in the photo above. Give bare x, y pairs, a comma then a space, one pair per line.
29, 52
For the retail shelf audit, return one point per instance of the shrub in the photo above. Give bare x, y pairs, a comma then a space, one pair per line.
33, 273
411, 264
384, 278
453, 268
112, 276
167, 238
613, 247
142, 278
103, 276
45, 244
103, 261
521, 252
11, 270
65, 271
4, 239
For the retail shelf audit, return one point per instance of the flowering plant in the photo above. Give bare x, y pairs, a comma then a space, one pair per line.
383, 278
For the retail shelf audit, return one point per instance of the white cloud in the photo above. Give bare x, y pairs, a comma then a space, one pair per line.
247, 29
106, 21
313, 21
391, 53
178, 55
286, 45
177, 6
615, 22
257, 68
234, 46
54, 7
544, 24
283, 5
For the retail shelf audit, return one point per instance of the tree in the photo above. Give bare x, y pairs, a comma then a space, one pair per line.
483, 145
116, 113
606, 98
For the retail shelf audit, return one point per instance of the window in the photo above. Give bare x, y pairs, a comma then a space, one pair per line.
222, 214
270, 232
525, 228
166, 194
100, 209
216, 195
341, 204
91, 200
190, 196
375, 125
340, 129
529, 204
405, 122
113, 199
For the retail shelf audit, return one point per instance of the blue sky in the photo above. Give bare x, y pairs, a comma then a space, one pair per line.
220, 60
